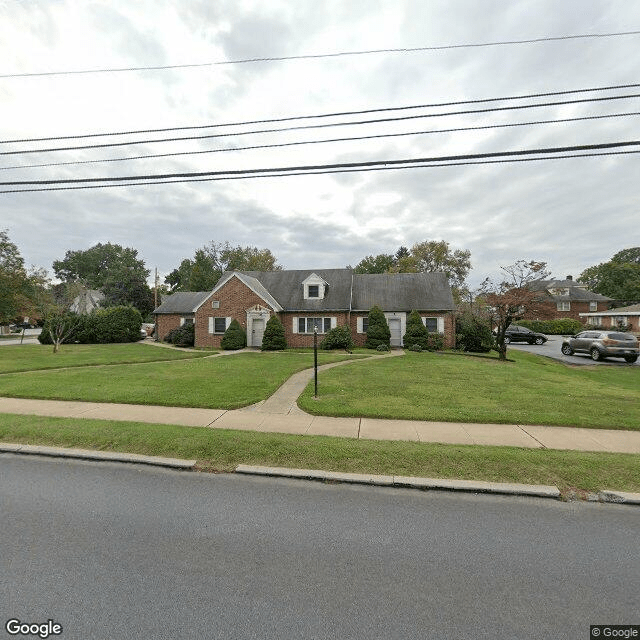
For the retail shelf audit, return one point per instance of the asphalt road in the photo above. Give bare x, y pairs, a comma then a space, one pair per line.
551, 348
116, 551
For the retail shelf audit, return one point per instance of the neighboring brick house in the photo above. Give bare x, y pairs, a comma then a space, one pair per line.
569, 299
613, 318
304, 299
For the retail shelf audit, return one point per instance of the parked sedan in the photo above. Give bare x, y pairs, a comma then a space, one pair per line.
603, 344
514, 333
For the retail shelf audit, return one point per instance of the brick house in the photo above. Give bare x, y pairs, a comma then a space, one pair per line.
304, 299
613, 318
569, 298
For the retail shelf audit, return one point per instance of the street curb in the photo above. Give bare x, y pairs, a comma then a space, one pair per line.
473, 486
619, 497
103, 456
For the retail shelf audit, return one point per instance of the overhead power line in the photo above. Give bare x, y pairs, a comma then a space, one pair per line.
323, 55
327, 171
330, 114
320, 126
322, 141
311, 168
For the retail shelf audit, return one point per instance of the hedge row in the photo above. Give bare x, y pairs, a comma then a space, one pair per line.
560, 327
101, 326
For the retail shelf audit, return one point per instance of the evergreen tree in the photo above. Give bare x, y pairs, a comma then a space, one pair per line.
273, 338
416, 332
234, 337
378, 330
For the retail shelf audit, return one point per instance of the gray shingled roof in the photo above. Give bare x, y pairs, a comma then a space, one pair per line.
345, 291
286, 288
402, 292
632, 310
577, 290
183, 302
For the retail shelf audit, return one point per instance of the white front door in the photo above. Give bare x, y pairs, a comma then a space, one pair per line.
395, 326
257, 331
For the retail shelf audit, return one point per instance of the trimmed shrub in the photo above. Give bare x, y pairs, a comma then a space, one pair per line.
417, 333
274, 338
383, 347
435, 342
101, 326
415, 347
473, 334
559, 327
113, 324
378, 330
338, 338
234, 337
184, 336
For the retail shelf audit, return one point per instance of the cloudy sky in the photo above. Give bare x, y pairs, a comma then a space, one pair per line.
571, 213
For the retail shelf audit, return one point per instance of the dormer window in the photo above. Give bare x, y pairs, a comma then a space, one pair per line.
314, 288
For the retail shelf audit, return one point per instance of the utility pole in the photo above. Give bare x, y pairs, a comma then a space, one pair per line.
155, 290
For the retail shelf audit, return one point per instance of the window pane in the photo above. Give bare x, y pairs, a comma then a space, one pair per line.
220, 325
316, 324
327, 324
432, 325
314, 291
365, 324
302, 328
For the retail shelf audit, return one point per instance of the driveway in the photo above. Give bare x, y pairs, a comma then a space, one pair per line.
30, 337
551, 349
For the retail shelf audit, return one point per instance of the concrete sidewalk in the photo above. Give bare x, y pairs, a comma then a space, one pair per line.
297, 422
280, 414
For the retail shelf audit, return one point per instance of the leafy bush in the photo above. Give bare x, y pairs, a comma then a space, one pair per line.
183, 336
383, 347
473, 334
338, 338
378, 330
416, 333
559, 327
113, 324
234, 337
101, 326
435, 342
415, 347
274, 338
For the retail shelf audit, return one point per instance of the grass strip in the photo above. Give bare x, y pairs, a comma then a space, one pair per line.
224, 382
443, 387
34, 357
223, 450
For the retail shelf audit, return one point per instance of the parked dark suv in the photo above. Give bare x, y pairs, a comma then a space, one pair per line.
514, 333
603, 344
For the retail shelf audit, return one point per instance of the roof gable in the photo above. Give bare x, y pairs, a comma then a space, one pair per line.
288, 289
252, 283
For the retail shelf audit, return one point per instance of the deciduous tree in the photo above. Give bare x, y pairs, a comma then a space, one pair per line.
618, 278
115, 270
511, 299
211, 261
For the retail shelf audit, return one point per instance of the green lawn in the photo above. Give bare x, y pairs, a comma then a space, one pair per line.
223, 450
31, 357
224, 382
459, 388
